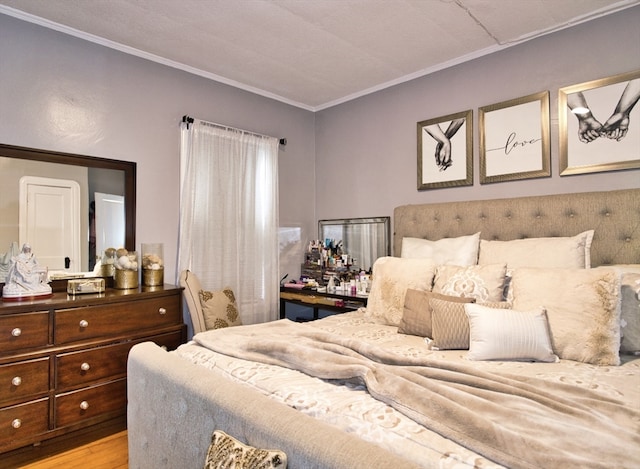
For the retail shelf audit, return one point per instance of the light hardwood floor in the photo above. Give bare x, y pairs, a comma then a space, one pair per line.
106, 452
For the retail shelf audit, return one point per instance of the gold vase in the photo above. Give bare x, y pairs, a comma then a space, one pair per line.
152, 277
125, 279
107, 270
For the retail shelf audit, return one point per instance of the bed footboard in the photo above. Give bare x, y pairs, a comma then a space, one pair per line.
174, 406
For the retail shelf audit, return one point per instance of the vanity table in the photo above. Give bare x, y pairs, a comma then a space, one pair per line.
63, 359
334, 302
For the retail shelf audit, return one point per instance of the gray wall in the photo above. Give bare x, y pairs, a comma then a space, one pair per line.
357, 159
366, 150
61, 93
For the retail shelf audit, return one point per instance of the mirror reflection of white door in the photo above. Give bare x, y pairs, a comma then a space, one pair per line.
50, 221
110, 227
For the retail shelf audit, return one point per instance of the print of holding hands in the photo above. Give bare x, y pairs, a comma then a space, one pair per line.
443, 139
617, 126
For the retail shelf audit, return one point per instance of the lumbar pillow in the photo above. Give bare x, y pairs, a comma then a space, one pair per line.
569, 253
416, 317
392, 277
457, 251
482, 282
506, 334
219, 308
451, 325
583, 308
225, 452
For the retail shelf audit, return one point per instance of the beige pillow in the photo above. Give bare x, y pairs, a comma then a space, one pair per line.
392, 277
482, 282
506, 334
451, 325
583, 308
630, 306
416, 317
462, 250
570, 253
630, 314
219, 308
225, 452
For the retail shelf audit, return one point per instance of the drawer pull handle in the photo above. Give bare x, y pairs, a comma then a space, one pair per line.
85, 366
16, 381
16, 423
84, 323
84, 405
16, 332
162, 311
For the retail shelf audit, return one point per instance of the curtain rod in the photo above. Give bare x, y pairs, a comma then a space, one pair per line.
189, 120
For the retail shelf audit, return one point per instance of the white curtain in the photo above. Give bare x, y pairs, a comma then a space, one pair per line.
229, 215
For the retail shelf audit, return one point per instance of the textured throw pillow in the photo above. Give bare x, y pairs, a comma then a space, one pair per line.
225, 452
482, 282
583, 308
630, 315
569, 253
451, 325
630, 306
416, 318
219, 308
456, 251
392, 277
506, 334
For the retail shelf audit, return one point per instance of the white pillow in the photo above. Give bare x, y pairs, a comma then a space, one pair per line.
583, 309
392, 277
455, 251
546, 253
506, 334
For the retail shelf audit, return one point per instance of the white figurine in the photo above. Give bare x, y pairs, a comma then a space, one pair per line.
25, 277
5, 260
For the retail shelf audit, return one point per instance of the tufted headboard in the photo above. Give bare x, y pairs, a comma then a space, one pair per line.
614, 215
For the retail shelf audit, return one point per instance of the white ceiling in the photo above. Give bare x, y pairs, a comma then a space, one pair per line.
310, 53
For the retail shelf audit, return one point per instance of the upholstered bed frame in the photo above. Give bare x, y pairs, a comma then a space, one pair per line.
174, 406
614, 215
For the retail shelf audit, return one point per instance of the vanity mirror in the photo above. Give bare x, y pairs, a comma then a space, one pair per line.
364, 239
100, 195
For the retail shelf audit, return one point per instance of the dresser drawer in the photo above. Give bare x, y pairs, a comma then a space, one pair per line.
88, 403
23, 421
23, 331
23, 379
170, 341
73, 325
76, 369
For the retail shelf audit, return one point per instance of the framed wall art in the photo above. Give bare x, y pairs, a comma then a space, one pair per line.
514, 139
600, 125
445, 151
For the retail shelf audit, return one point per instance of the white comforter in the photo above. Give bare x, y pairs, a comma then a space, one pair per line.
350, 407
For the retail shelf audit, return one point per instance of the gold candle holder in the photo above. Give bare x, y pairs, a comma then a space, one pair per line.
152, 264
126, 274
125, 279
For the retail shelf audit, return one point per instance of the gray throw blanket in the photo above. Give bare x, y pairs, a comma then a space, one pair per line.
517, 422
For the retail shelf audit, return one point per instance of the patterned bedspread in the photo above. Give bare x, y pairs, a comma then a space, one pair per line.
349, 406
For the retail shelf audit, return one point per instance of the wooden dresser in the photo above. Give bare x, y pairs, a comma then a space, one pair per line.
63, 360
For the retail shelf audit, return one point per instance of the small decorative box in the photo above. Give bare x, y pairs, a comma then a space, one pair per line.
85, 285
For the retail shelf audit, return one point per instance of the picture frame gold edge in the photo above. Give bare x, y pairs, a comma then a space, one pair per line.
563, 143
545, 108
468, 180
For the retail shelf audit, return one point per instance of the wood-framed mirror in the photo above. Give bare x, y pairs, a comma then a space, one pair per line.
95, 178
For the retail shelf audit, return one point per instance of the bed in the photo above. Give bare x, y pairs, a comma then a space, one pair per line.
576, 405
